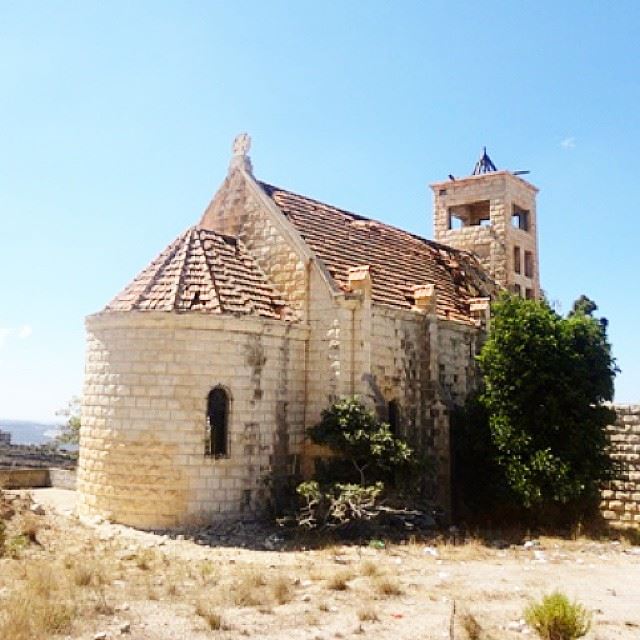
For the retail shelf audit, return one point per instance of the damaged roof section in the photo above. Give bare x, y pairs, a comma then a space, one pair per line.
399, 261
207, 272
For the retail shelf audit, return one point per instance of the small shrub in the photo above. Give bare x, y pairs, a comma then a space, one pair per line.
209, 615
367, 614
83, 575
339, 581
208, 571
471, 626
29, 527
249, 590
369, 568
556, 618
282, 590
15, 545
387, 586
37, 607
145, 559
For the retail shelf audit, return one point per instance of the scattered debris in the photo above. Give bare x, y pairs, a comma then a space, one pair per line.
38, 509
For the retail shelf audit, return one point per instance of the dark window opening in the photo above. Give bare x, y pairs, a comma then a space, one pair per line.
517, 289
516, 259
528, 264
529, 294
520, 218
393, 417
217, 423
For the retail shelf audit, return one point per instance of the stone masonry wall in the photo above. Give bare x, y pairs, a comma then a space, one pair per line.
237, 211
621, 498
148, 375
426, 365
494, 244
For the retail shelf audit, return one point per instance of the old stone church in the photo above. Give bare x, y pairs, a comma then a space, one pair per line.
204, 373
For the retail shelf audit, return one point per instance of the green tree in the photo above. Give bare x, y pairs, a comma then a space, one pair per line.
348, 486
358, 437
546, 379
69, 431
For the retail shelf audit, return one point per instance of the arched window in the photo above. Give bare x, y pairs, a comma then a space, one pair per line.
393, 417
218, 422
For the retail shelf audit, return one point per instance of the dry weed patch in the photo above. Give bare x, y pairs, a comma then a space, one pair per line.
367, 614
210, 615
29, 525
387, 586
282, 589
370, 568
339, 581
471, 626
471, 549
146, 559
40, 605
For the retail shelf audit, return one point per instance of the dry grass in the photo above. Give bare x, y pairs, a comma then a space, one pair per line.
29, 525
58, 585
83, 575
370, 568
253, 587
387, 586
367, 614
146, 559
210, 615
39, 606
208, 572
282, 589
471, 549
248, 589
471, 626
339, 581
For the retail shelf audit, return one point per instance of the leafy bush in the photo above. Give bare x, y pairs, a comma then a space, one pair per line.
546, 379
556, 618
360, 439
349, 485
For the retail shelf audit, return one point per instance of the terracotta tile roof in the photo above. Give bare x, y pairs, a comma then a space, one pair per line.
398, 259
203, 271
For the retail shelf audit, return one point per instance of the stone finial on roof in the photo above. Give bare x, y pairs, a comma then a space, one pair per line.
484, 165
240, 148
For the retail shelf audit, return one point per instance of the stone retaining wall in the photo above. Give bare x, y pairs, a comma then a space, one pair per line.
621, 498
25, 478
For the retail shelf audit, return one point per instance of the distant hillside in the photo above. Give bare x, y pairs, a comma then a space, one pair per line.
27, 432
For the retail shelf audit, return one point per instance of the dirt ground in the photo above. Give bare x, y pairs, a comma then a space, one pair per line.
119, 582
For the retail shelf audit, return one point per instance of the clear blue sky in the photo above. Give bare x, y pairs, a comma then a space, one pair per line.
116, 121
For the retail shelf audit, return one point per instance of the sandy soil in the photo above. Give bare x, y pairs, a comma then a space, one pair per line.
157, 588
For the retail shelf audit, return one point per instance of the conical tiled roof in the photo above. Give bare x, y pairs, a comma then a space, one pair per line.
206, 272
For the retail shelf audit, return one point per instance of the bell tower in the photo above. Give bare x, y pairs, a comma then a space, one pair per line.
492, 213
